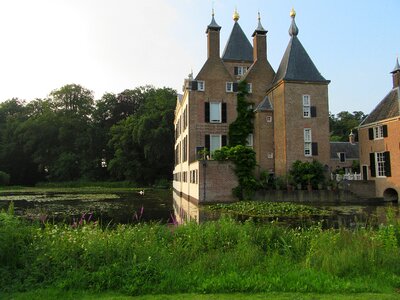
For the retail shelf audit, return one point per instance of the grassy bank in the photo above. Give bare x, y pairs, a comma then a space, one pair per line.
212, 258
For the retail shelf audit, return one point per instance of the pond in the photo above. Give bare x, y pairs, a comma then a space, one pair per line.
111, 207
157, 205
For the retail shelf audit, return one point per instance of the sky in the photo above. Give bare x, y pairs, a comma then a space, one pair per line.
113, 45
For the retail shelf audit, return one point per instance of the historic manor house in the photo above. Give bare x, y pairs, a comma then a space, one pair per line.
291, 113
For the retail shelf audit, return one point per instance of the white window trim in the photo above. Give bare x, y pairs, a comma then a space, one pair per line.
306, 106
241, 70
201, 85
250, 88
250, 140
380, 165
378, 132
307, 142
220, 112
268, 119
220, 142
230, 84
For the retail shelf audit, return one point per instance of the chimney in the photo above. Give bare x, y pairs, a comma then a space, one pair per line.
259, 42
396, 74
213, 38
352, 139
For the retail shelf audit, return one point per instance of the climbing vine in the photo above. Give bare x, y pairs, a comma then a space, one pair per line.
240, 129
243, 157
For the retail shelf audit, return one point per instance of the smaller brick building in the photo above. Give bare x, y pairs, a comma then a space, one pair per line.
379, 141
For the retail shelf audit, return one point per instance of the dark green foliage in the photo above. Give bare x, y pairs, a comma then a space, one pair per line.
214, 257
240, 129
305, 173
67, 136
343, 123
245, 162
4, 178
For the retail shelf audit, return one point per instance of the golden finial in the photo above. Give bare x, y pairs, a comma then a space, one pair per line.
292, 13
236, 15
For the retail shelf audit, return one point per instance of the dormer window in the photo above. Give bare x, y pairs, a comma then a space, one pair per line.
240, 70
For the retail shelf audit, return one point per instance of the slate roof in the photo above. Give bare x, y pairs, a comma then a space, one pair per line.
296, 65
264, 105
387, 108
238, 47
350, 149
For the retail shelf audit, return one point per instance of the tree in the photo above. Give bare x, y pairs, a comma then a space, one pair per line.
73, 98
343, 123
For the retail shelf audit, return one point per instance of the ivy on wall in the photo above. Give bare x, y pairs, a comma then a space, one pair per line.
242, 156
240, 129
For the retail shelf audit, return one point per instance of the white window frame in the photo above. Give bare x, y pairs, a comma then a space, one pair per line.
380, 164
249, 88
378, 132
229, 87
241, 70
213, 148
269, 119
214, 105
270, 155
201, 85
250, 140
307, 142
306, 106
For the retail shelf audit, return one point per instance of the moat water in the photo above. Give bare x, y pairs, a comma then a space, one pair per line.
157, 206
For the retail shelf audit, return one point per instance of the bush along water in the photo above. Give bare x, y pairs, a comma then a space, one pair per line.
215, 257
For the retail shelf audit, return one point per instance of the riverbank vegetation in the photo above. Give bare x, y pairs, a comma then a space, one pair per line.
216, 257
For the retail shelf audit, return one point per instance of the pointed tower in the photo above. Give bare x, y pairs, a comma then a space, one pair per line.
299, 95
396, 74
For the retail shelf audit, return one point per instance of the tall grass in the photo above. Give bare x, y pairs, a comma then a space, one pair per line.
215, 257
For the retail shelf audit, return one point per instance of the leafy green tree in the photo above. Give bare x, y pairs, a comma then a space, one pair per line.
307, 172
343, 123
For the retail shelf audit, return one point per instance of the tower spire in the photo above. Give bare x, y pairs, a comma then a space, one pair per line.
396, 67
260, 29
293, 30
236, 15
213, 24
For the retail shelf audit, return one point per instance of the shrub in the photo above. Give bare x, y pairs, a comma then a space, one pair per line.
307, 172
4, 178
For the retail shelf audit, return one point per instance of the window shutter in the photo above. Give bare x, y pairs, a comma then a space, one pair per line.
223, 140
194, 85
313, 112
388, 171
314, 149
371, 133
385, 131
372, 164
207, 112
207, 142
235, 70
235, 87
223, 112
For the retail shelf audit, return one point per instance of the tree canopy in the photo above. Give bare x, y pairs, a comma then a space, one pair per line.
343, 123
71, 136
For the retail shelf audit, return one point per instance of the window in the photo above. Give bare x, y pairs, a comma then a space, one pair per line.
342, 156
270, 155
249, 140
229, 87
268, 119
306, 106
249, 88
215, 142
215, 112
200, 85
378, 132
307, 142
240, 70
380, 164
